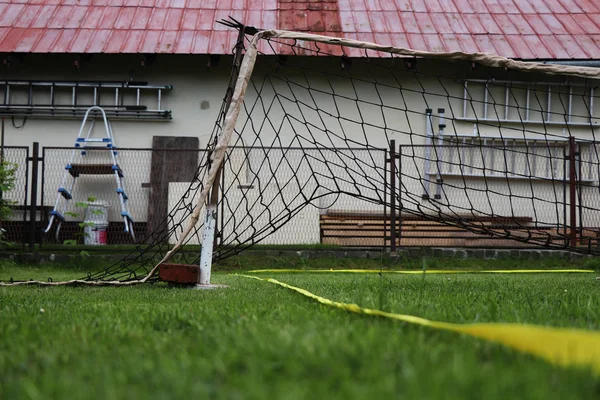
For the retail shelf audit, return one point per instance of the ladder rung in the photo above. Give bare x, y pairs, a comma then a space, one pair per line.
122, 193
78, 112
65, 193
57, 215
84, 140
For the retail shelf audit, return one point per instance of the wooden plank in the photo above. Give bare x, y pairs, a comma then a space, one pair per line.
361, 242
351, 234
169, 166
351, 215
432, 242
367, 222
382, 224
521, 231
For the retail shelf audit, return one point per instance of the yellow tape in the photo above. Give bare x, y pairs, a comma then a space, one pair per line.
428, 271
559, 346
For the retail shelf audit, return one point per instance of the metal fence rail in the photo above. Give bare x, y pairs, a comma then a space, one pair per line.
152, 180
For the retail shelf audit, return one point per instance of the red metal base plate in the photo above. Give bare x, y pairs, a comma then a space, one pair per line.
179, 273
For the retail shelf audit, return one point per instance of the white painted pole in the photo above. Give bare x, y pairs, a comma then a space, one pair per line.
208, 237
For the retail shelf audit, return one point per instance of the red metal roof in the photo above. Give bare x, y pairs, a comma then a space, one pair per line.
527, 29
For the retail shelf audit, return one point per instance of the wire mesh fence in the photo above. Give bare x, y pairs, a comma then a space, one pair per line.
310, 184
14, 226
335, 191
150, 181
516, 191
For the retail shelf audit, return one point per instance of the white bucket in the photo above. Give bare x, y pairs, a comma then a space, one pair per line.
96, 224
95, 233
97, 212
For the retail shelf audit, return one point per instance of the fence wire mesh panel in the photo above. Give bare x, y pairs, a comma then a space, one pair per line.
495, 194
153, 180
483, 159
15, 224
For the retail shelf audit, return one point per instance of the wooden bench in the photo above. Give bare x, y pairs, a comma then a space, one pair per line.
373, 230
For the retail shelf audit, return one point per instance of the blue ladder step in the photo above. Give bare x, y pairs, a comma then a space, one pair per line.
118, 169
57, 215
122, 193
93, 169
126, 215
65, 193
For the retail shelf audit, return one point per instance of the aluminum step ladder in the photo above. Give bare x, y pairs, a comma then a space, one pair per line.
78, 165
129, 100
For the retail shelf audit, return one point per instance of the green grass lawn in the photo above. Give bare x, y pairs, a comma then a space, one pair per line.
257, 340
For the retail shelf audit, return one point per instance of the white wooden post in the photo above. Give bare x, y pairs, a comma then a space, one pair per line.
208, 238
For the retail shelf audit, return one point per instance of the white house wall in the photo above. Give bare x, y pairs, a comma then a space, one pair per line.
193, 83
